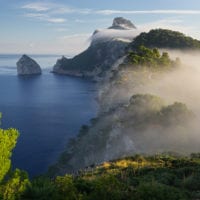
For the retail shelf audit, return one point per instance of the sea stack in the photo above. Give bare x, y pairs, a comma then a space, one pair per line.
28, 66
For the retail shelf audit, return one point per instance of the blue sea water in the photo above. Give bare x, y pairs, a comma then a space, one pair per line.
47, 110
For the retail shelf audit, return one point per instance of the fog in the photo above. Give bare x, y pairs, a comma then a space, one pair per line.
147, 124
109, 34
182, 84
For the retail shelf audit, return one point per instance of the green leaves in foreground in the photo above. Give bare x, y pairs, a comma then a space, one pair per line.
8, 139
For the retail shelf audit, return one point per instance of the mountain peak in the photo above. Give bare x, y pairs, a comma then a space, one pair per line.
122, 23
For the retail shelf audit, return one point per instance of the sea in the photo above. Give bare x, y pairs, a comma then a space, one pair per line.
46, 109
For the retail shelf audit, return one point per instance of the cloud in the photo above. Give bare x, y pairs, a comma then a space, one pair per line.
182, 12
51, 12
45, 17
37, 6
54, 8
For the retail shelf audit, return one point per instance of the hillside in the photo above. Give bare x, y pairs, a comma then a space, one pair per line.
145, 125
139, 177
163, 38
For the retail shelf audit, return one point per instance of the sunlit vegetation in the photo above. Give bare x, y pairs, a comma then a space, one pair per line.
142, 66
12, 182
139, 177
144, 56
7, 143
163, 38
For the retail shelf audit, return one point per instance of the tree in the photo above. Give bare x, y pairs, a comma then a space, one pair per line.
16, 185
8, 139
150, 191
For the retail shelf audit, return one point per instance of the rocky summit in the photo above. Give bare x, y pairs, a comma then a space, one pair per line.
28, 66
122, 23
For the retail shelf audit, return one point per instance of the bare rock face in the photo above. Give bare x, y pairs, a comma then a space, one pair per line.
28, 66
122, 23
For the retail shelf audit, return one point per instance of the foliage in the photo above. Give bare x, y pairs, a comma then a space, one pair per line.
66, 188
41, 188
149, 191
138, 177
7, 143
141, 104
163, 38
16, 185
176, 113
144, 56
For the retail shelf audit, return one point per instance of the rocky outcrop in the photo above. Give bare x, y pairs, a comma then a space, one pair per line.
107, 46
92, 62
27, 66
122, 23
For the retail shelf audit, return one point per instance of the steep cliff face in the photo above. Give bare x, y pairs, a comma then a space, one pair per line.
94, 61
27, 66
107, 46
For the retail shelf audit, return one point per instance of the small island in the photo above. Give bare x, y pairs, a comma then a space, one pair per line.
28, 66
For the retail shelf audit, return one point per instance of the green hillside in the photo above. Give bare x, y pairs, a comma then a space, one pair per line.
164, 38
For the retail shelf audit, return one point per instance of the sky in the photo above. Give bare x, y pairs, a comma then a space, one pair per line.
64, 27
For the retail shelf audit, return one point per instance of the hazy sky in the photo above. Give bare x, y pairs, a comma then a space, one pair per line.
63, 27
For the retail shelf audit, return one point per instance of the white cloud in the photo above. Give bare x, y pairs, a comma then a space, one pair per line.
182, 12
54, 8
45, 17
37, 6
108, 34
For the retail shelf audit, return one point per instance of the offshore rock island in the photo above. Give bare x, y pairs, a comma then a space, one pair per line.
28, 66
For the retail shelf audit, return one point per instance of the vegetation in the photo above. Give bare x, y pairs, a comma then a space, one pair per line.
12, 183
7, 143
143, 56
139, 177
163, 38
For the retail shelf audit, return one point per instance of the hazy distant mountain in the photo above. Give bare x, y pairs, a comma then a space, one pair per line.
107, 46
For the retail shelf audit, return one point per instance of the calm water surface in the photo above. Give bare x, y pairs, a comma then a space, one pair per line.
47, 110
